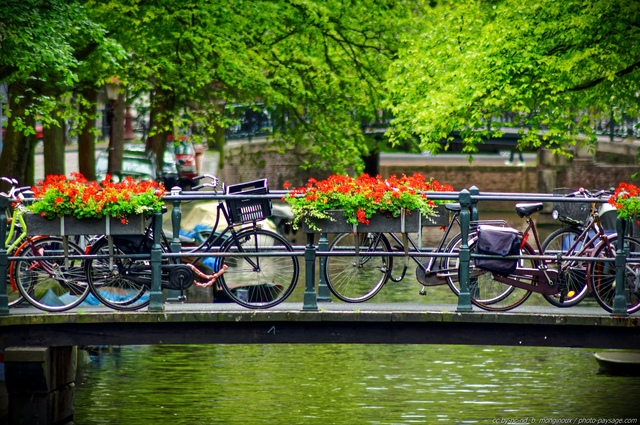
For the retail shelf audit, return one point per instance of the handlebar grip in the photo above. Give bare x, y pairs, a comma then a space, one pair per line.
208, 176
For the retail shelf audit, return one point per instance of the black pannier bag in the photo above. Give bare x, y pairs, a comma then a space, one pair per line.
497, 241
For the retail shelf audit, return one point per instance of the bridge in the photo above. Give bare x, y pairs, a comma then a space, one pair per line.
332, 322
40, 353
316, 320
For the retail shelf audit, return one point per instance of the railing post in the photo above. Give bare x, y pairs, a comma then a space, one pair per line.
622, 252
155, 295
310, 299
324, 295
464, 299
474, 191
173, 295
4, 258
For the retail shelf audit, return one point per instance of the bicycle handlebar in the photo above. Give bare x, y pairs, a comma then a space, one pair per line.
15, 191
587, 194
212, 184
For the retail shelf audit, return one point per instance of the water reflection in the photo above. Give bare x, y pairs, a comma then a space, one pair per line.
368, 384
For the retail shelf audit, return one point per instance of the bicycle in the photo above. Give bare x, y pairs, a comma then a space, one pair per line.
46, 283
576, 241
359, 278
547, 277
579, 239
262, 275
14, 238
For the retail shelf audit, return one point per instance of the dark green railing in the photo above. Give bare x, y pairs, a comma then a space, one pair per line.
468, 200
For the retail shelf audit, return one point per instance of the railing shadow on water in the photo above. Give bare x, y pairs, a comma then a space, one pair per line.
314, 253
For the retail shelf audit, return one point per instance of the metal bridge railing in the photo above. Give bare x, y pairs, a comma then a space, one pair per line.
469, 200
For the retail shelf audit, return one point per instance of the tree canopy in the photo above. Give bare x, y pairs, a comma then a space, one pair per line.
329, 66
556, 66
321, 62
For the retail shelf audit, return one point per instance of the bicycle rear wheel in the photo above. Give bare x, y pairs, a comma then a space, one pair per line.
357, 278
50, 284
13, 293
120, 283
602, 275
573, 272
258, 281
486, 292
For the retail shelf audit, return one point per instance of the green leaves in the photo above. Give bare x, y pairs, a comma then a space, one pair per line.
546, 61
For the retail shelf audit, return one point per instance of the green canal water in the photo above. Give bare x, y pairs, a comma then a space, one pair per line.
349, 384
353, 384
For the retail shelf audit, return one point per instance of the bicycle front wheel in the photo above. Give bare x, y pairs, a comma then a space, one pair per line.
120, 283
574, 273
50, 284
263, 280
358, 277
602, 275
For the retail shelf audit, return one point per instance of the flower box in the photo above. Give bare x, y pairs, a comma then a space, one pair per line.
439, 219
72, 226
363, 198
380, 222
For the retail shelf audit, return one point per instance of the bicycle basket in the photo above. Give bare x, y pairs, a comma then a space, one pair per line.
246, 210
571, 212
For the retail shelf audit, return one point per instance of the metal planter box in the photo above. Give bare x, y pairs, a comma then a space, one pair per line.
380, 222
72, 226
440, 219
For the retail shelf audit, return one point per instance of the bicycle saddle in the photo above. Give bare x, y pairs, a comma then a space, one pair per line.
453, 206
525, 210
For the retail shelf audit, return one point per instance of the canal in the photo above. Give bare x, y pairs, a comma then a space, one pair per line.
353, 384
348, 384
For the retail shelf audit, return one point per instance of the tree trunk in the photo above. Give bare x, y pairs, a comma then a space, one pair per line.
86, 139
116, 139
14, 160
54, 149
219, 137
372, 163
30, 167
159, 124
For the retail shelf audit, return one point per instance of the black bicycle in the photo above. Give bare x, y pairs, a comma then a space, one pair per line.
359, 277
253, 266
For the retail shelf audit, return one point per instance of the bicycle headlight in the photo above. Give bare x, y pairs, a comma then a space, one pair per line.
555, 214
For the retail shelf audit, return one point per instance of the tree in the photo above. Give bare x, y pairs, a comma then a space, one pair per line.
322, 62
558, 66
43, 44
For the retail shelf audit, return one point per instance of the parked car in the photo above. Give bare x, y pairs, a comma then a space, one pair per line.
186, 155
170, 169
135, 166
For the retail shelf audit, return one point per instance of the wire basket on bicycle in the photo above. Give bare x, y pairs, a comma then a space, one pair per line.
244, 210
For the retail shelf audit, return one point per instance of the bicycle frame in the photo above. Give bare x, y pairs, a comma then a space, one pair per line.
427, 267
547, 278
17, 215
